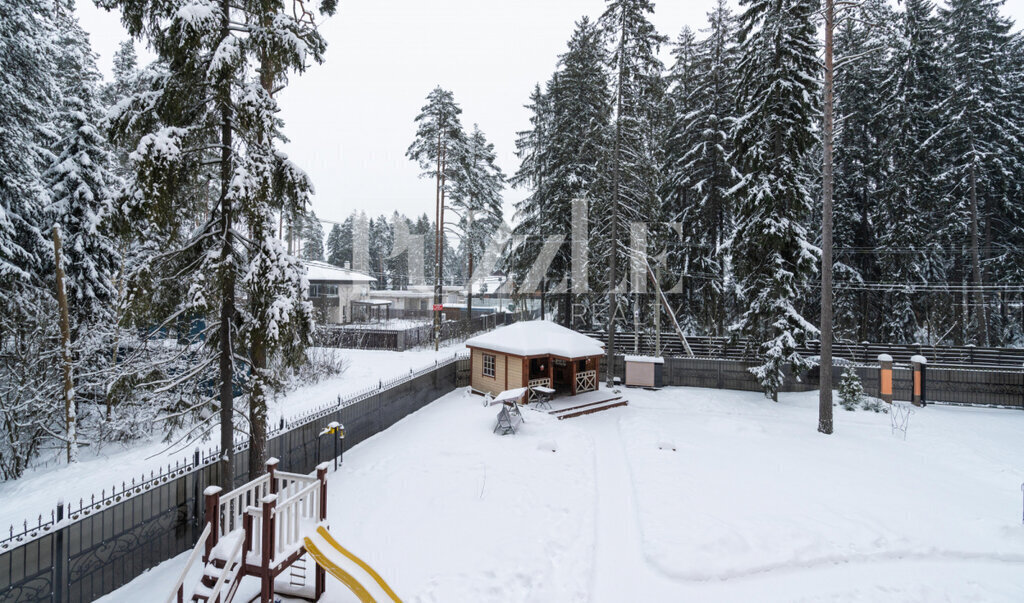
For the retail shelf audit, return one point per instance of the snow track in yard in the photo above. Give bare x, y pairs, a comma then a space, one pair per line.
621, 571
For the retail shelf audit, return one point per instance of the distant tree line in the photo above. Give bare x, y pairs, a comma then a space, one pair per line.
720, 154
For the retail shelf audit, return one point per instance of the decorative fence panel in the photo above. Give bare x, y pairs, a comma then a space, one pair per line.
104, 543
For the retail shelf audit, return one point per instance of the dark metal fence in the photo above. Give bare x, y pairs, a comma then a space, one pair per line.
86, 550
859, 353
965, 385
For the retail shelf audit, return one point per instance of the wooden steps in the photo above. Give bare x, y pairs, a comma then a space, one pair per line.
586, 409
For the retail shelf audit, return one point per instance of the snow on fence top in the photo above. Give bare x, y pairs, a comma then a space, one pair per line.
647, 359
538, 338
919, 359
884, 358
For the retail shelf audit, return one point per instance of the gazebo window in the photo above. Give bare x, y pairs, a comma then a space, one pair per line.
488, 365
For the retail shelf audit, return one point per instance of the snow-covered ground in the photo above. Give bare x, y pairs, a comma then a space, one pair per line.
98, 470
686, 494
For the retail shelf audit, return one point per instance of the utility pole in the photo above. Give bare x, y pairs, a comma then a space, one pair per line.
657, 312
543, 286
437, 246
612, 276
825, 364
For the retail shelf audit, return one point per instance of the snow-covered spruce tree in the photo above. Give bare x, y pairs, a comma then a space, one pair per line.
981, 137
637, 132
699, 176
424, 227
564, 154
438, 145
538, 214
851, 391
398, 259
476, 199
1007, 266
684, 137
339, 243
381, 243
81, 185
910, 221
211, 126
29, 93
312, 237
773, 258
861, 48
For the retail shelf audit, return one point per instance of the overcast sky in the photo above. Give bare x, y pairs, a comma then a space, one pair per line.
350, 120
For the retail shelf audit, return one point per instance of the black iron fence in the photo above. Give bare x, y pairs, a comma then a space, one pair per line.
87, 549
965, 385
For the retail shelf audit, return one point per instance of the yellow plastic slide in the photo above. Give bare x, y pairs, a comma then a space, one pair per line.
345, 566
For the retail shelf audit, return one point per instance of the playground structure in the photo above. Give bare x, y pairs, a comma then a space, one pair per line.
265, 528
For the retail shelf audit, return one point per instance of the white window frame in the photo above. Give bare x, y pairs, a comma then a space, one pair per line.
493, 362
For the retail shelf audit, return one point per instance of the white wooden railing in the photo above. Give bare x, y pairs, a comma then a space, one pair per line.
290, 483
532, 383
294, 516
586, 381
234, 503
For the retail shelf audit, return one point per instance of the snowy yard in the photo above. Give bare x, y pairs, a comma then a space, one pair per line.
40, 489
686, 494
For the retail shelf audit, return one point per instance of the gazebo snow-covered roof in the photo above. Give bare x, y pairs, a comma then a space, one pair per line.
538, 338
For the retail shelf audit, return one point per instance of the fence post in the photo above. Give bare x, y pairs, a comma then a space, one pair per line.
267, 538
58, 556
885, 378
271, 469
919, 364
320, 576
212, 494
196, 474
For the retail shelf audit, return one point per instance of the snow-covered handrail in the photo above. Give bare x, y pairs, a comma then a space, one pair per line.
178, 591
232, 567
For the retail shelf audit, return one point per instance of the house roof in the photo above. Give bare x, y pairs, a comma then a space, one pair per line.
322, 271
396, 293
538, 338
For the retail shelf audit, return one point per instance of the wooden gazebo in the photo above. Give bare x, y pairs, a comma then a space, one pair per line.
534, 354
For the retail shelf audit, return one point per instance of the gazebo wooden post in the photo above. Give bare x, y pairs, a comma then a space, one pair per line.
572, 372
597, 371
551, 373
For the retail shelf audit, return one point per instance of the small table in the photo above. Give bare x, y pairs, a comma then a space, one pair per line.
544, 395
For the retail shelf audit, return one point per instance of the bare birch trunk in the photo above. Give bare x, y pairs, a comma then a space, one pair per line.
70, 412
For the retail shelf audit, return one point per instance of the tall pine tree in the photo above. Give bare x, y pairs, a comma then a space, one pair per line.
211, 125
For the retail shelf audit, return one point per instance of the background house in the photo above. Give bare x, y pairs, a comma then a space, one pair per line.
417, 301
332, 290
